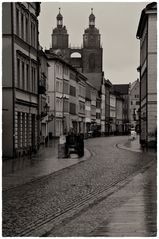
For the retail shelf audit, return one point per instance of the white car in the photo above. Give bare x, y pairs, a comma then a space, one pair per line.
133, 134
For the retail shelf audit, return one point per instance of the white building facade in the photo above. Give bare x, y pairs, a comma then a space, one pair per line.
147, 34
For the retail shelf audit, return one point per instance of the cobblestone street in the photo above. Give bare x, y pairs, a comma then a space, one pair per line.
79, 119
37, 208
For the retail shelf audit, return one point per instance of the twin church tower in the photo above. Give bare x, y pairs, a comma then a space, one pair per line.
89, 60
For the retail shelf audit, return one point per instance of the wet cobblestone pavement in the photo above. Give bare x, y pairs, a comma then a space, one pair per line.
23, 170
130, 211
32, 205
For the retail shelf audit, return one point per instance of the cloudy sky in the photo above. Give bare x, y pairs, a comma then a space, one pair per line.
117, 23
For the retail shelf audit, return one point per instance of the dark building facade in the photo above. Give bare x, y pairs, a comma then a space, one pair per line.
19, 78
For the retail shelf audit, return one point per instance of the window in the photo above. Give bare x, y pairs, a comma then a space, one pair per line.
98, 104
137, 102
18, 72
66, 88
23, 76
22, 26
81, 107
26, 29
27, 126
66, 106
23, 129
97, 115
58, 104
72, 76
93, 110
33, 38
19, 130
34, 75
72, 90
27, 77
17, 21
34, 80
72, 108
58, 85
65, 70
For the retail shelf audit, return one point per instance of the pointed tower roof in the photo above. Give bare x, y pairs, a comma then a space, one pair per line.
59, 16
91, 16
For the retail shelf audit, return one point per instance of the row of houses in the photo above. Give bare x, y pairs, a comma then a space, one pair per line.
72, 102
45, 95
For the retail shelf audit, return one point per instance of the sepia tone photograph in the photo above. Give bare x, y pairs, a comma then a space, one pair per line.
79, 119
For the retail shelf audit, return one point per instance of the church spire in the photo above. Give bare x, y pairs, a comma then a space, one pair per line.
59, 19
92, 19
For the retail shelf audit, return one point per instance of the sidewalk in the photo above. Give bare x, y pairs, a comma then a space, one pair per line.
20, 171
134, 146
137, 216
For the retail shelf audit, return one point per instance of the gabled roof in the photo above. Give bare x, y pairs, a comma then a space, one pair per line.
134, 84
151, 6
122, 89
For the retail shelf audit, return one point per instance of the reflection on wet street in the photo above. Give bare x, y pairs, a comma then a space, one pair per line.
14, 165
136, 217
110, 194
45, 162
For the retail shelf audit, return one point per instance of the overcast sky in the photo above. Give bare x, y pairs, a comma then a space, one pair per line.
117, 23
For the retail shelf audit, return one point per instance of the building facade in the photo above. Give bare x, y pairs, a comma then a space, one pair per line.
67, 97
124, 91
113, 109
147, 34
135, 104
119, 115
43, 97
88, 108
20, 80
82, 102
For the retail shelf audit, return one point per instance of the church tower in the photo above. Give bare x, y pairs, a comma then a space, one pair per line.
92, 51
59, 35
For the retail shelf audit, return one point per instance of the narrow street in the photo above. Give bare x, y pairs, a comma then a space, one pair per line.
90, 198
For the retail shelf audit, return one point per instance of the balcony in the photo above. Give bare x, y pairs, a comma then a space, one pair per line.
42, 84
